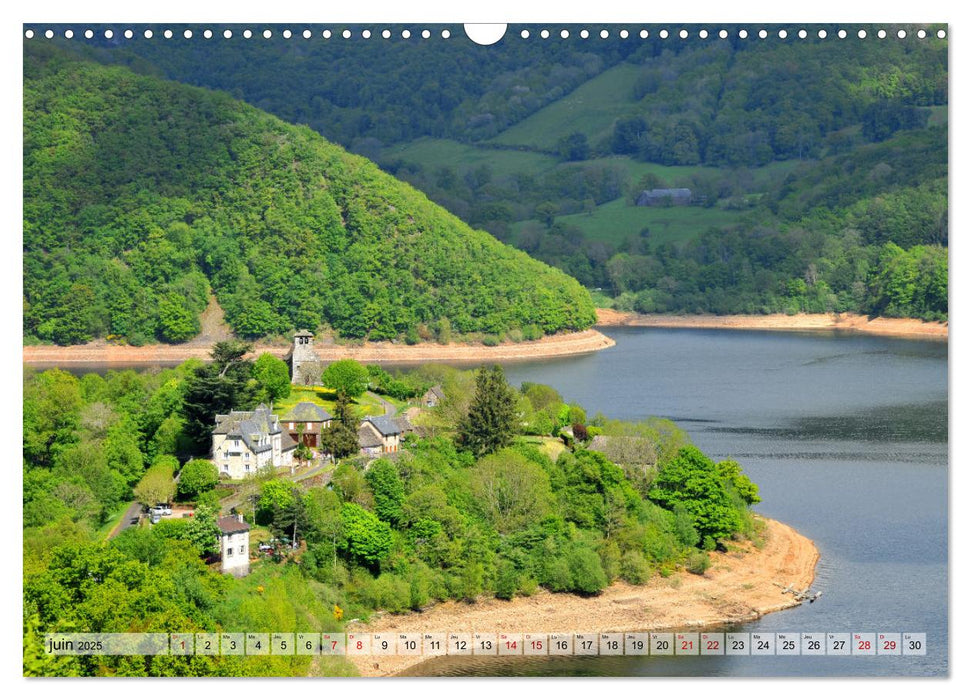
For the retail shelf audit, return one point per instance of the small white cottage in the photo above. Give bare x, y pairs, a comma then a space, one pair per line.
234, 545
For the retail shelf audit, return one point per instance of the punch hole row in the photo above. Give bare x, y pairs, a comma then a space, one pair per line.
682, 34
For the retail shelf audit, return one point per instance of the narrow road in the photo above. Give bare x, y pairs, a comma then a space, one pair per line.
389, 408
134, 510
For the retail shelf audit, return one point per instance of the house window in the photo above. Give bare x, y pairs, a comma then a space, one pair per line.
235, 443
242, 549
310, 426
246, 466
226, 467
229, 551
291, 426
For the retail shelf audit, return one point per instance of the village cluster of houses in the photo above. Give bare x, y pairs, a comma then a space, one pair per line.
244, 442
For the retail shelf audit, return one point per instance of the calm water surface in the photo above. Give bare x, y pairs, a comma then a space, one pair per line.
846, 437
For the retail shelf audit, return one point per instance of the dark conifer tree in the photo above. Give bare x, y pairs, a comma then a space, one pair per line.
490, 423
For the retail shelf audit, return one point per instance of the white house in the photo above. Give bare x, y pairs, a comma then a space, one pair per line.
244, 442
234, 545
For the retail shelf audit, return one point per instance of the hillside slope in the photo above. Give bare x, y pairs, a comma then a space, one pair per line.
141, 194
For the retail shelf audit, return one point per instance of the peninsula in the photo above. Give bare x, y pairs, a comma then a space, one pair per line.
741, 586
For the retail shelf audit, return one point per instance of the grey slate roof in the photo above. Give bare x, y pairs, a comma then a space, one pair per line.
367, 437
307, 412
436, 391
389, 425
676, 194
287, 443
668, 192
249, 426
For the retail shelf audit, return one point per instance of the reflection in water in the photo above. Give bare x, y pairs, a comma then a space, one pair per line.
925, 422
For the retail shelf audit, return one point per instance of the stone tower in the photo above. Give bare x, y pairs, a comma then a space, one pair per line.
304, 361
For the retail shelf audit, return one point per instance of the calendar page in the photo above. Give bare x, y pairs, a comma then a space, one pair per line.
427, 349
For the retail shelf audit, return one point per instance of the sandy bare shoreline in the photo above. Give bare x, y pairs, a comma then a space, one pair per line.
850, 323
561, 345
99, 352
740, 586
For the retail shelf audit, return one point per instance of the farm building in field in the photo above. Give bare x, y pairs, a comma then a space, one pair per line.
243, 442
305, 421
662, 197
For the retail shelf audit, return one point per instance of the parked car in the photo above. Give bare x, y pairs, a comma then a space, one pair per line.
165, 508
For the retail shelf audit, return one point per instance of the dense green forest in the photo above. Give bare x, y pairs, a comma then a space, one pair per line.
819, 166
498, 496
142, 196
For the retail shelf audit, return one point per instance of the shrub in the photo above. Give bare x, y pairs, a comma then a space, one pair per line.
532, 332
490, 340
698, 563
507, 581
388, 592
588, 574
557, 575
634, 568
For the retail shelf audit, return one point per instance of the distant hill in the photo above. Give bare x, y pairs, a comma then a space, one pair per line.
807, 157
142, 195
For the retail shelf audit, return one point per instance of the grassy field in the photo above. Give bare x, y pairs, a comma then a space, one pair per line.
325, 398
590, 109
614, 221
436, 153
549, 446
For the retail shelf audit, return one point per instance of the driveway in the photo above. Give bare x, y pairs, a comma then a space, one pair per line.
132, 514
389, 408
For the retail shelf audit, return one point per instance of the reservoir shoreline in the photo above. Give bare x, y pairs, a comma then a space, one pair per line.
560, 345
842, 323
740, 586
100, 352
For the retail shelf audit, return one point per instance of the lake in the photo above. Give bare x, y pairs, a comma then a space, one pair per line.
846, 437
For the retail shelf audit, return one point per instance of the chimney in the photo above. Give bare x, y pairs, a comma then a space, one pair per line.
239, 517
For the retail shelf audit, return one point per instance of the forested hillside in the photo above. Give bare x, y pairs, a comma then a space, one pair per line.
141, 196
829, 153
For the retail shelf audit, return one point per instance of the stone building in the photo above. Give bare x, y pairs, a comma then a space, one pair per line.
305, 365
660, 197
305, 421
381, 434
433, 396
243, 442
